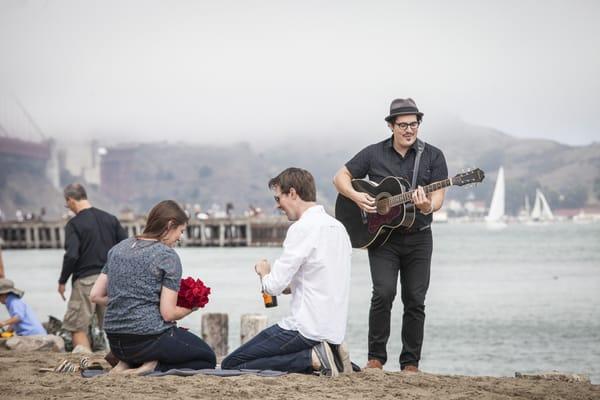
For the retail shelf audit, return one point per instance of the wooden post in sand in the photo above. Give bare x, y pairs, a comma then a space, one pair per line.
251, 325
215, 331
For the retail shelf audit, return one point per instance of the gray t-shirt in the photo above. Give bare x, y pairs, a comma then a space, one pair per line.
137, 270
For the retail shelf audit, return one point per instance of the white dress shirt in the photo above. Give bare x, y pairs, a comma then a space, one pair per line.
316, 265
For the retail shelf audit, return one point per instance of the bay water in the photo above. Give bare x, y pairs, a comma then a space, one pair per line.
525, 298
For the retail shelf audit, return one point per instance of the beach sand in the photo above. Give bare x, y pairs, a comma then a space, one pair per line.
20, 379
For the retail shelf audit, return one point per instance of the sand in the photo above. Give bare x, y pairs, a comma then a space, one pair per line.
20, 379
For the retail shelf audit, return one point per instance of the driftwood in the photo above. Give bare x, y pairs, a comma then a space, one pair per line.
555, 376
36, 343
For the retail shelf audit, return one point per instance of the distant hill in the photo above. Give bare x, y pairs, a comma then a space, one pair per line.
568, 175
238, 174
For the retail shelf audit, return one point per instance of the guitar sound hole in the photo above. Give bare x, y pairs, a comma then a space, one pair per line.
383, 205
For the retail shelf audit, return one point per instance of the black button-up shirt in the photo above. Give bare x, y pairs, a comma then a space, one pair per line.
380, 160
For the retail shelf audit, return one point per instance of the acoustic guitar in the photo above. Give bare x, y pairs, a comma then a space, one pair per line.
394, 205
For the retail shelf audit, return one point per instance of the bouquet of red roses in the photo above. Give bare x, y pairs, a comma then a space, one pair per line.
192, 293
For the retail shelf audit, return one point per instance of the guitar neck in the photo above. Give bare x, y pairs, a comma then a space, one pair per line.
406, 197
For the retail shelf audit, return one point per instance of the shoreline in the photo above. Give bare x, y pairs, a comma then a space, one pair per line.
20, 379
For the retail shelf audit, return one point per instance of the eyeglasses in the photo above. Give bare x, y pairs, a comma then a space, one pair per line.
278, 197
405, 125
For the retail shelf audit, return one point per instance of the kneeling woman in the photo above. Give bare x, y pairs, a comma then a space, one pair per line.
139, 285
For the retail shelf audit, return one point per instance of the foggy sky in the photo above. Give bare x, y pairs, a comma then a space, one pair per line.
225, 71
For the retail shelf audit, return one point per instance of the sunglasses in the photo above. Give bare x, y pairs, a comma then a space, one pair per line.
278, 197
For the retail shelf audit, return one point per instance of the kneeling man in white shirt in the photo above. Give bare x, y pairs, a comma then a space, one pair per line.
315, 267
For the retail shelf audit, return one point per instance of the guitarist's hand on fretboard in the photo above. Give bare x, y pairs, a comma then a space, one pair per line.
394, 206
365, 201
422, 201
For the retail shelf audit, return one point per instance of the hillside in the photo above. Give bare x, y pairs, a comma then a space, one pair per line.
238, 174
568, 175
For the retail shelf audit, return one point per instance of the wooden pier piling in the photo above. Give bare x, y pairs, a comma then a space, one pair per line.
215, 332
251, 325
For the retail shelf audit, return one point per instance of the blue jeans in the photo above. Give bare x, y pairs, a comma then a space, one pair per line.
175, 348
276, 349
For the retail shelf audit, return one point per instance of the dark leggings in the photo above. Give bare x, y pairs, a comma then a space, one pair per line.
175, 348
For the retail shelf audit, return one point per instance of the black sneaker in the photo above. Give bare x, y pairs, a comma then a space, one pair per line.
327, 360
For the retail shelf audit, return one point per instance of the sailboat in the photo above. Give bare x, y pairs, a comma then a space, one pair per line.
525, 213
541, 210
496, 217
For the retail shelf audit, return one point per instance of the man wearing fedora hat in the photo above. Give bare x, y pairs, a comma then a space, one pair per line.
22, 319
406, 253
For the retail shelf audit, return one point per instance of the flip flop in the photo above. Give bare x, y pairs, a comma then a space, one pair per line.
65, 366
86, 364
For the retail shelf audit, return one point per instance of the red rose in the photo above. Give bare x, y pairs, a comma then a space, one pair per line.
192, 293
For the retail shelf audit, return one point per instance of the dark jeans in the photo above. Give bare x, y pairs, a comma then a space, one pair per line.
410, 256
276, 349
176, 348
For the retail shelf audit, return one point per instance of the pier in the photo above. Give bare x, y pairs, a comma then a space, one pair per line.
212, 232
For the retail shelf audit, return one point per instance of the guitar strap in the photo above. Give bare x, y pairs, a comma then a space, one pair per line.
420, 148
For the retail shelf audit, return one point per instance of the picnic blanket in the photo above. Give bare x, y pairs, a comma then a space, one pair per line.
90, 373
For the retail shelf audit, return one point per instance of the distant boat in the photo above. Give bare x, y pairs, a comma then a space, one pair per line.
525, 213
541, 210
584, 218
496, 217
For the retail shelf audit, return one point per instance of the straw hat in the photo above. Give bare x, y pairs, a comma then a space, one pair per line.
7, 286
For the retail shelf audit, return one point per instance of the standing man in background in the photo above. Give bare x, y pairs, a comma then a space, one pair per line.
88, 237
407, 252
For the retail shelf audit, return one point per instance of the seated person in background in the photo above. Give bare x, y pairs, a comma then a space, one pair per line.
139, 286
315, 266
22, 321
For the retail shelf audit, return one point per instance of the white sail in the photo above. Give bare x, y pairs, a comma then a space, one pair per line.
496, 212
541, 210
536, 213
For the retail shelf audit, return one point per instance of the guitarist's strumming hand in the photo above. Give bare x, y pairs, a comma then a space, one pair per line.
343, 183
364, 201
422, 201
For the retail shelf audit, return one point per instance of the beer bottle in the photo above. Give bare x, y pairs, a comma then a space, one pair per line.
270, 301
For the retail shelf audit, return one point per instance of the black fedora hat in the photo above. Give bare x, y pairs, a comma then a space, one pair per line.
403, 107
